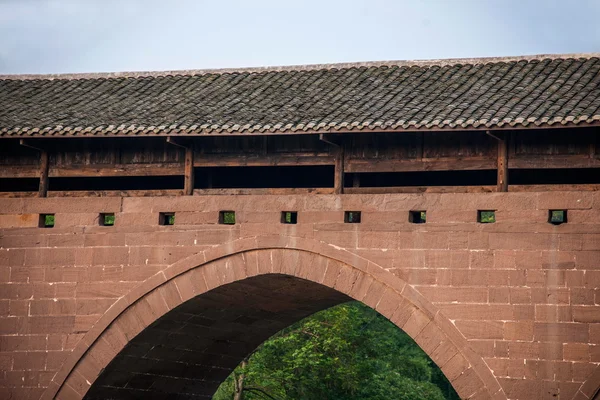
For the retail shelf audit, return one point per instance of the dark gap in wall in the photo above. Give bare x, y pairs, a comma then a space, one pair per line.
264, 177
19, 184
554, 176
425, 178
117, 183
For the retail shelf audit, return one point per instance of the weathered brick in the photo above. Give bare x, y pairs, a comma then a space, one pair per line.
438, 294
576, 352
480, 329
560, 332
19, 220
522, 330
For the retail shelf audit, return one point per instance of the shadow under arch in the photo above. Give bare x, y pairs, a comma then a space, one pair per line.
342, 275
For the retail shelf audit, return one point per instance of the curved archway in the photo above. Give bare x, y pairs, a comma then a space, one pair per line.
590, 389
339, 272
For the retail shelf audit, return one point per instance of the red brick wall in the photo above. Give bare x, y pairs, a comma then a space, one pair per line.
523, 294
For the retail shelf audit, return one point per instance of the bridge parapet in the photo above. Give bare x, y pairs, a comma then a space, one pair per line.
522, 292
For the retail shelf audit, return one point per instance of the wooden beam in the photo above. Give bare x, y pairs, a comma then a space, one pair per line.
420, 189
263, 191
502, 179
290, 159
43, 190
154, 169
362, 165
188, 187
19, 171
338, 181
585, 187
473, 189
288, 191
350, 165
555, 161
115, 193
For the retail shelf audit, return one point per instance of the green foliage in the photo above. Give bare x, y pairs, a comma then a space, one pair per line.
49, 220
353, 217
228, 217
487, 217
109, 219
557, 216
289, 217
348, 352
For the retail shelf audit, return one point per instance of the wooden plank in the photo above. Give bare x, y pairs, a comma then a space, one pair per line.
188, 187
555, 162
286, 191
473, 189
228, 160
19, 171
10, 195
156, 169
502, 180
115, 193
351, 166
420, 189
96, 193
556, 188
43, 190
263, 191
338, 181
445, 164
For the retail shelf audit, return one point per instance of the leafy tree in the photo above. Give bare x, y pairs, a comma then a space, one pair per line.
348, 352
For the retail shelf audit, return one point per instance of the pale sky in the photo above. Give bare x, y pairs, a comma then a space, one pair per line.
60, 36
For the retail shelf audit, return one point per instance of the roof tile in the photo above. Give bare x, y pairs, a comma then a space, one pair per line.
382, 96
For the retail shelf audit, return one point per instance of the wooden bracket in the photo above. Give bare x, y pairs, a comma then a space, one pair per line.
188, 183
176, 142
25, 143
327, 139
494, 136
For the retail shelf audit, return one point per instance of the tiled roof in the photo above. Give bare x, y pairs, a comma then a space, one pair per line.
450, 94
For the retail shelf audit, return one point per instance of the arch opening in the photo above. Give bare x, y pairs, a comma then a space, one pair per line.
189, 351
298, 276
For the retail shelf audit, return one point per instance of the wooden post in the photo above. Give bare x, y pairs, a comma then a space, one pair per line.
43, 190
502, 180
188, 177
188, 186
338, 182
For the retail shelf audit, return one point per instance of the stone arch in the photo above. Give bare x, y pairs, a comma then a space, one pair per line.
590, 389
307, 259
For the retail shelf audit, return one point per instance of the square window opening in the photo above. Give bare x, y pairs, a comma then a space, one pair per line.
417, 217
289, 217
227, 217
166, 218
46, 221
107, 219
352, 217
557, 217
486, 216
